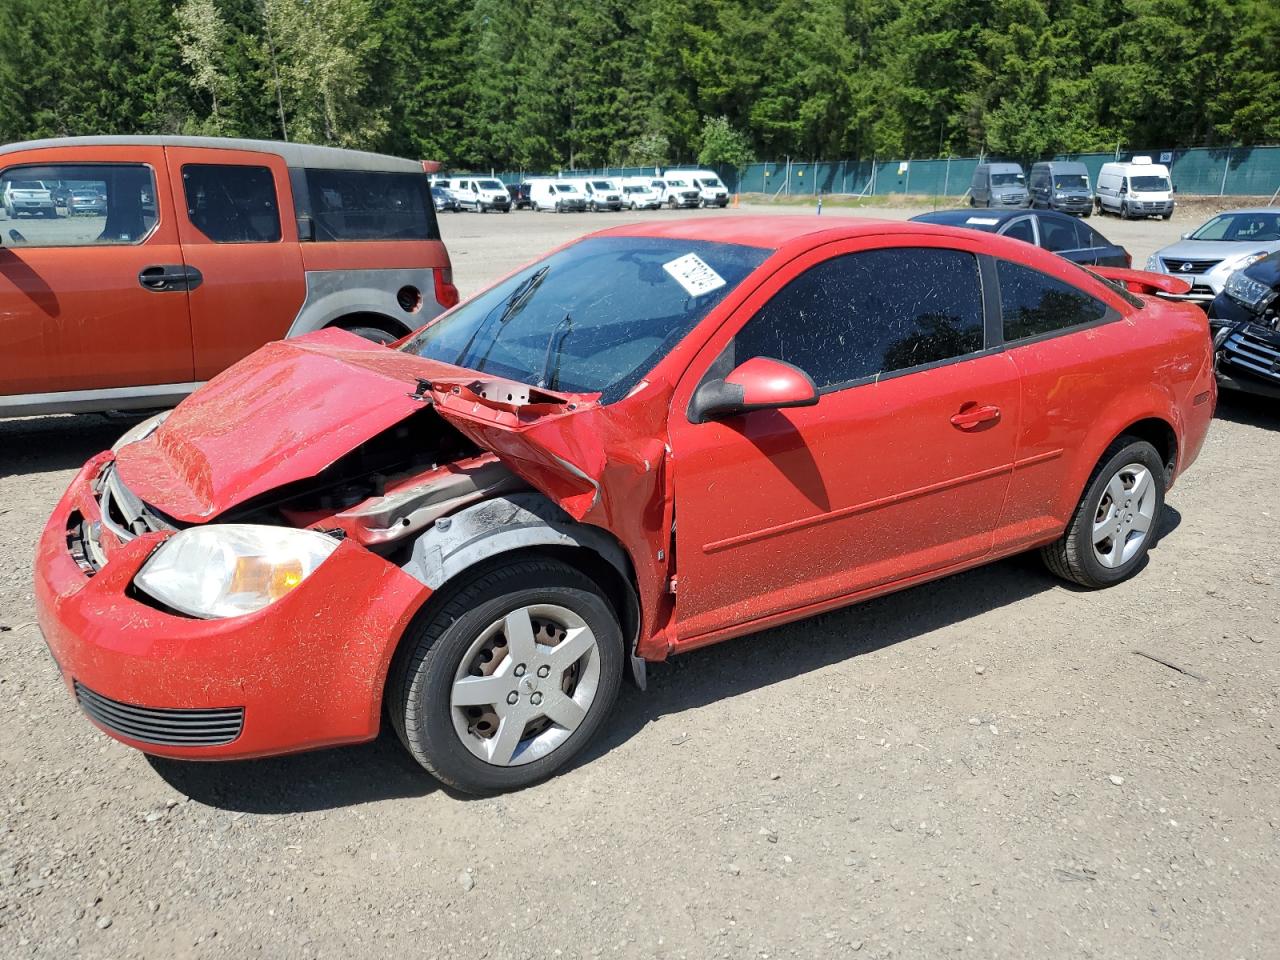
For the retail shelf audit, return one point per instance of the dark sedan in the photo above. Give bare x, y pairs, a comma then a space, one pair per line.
1245, 320
1057, 232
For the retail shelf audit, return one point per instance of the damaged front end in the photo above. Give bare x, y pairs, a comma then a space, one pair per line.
429, 467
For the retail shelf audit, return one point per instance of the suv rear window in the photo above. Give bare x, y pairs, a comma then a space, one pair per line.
366, 205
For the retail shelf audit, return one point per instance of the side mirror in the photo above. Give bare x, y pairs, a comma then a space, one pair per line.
1175, 188
1185, 236
760, 383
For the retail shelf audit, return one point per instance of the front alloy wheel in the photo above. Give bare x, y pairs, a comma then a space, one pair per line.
511, 674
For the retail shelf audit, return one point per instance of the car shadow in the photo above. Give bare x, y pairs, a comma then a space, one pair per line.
1248, 409
383, 770
47, 444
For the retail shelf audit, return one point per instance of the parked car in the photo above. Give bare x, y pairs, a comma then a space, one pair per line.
1061, 185
32, 197
1138, 188
601, 193
201, 251
90, 201
481, 195
1245, 320
640, 194
444, 200
561, 196
520, 198
678, 191
1219, 247
711, 191
473, 534
1056, 232
998, 185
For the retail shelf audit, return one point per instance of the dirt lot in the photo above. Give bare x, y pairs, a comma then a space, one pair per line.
983, 767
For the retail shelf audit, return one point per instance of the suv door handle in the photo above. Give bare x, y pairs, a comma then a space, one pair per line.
169, 277
971, 415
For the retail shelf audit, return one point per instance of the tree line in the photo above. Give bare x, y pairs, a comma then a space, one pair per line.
535, 84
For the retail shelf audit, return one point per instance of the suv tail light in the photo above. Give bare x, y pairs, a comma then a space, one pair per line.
446, 292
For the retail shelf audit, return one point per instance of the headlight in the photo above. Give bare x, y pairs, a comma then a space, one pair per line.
1247, 290
230, 569
1242, 261
1153, 263
141, 431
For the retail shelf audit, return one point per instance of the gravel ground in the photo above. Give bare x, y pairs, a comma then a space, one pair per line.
992, 766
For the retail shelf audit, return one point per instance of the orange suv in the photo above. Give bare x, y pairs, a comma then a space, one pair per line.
195, 252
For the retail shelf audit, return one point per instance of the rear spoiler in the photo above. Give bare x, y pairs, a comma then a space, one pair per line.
1142, 281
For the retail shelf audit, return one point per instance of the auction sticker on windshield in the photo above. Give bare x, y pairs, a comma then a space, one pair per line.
983, 221
694, 274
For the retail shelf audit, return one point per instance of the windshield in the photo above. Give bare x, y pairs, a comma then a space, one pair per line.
602, 184
1074, 181
1160, 184
566, 188
711, 182
675, 183
491, 185
592, 318
1241, 227
1006, 179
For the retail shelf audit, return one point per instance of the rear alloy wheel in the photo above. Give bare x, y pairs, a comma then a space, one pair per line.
1114, 524
513, 675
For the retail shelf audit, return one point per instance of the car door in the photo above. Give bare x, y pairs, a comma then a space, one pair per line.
241, 250
900, 469
1060, 234
81, 308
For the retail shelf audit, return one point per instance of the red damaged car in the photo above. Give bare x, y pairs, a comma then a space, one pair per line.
655, 438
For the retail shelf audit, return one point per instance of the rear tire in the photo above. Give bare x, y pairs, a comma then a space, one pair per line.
504, 623
1116, 520
373, 334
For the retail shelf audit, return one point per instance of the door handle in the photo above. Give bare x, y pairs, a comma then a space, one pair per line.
169, 277
971, 414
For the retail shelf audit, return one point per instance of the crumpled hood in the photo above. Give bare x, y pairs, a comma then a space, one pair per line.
287, 412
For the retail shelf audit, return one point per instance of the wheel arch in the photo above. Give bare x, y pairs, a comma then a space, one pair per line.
346, 298
507, 528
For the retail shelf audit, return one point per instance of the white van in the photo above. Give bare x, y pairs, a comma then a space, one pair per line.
1138, 188
479, 193
639, 193
677, 190
601, 193
711, 191
561, 196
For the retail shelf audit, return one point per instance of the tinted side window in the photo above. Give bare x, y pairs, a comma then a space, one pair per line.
1090, 237
363, 205
1032, 303
232, 204
77, 205
1021, 229
1057, 234
863, 314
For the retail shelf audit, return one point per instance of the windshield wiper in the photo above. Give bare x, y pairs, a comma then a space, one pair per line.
519, 297
558, 336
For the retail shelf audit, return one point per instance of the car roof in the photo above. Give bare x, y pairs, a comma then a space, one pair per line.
962, 216
294, 154
1274, 211
768, 232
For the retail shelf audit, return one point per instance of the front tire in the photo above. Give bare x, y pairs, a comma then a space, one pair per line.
1116, 520
510, 678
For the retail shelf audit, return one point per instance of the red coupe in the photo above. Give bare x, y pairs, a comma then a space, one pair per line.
655, 438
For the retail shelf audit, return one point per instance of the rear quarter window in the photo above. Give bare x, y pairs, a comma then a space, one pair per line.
1034, 304
365, 205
